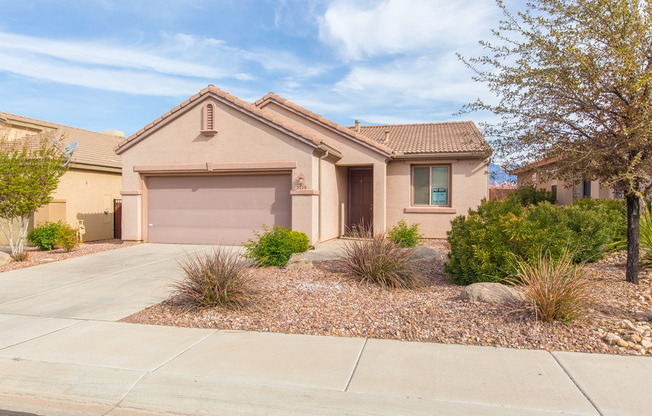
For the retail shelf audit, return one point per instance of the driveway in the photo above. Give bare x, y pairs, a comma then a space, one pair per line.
106, 286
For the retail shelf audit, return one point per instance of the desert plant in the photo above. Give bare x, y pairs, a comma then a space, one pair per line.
45, 235
22, 256
274, 246
405, 236
645, 236
554, 289
380, 261
219, 277
67, 237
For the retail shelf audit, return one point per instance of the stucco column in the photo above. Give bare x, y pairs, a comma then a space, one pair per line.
380, 197
132, 216
305, 206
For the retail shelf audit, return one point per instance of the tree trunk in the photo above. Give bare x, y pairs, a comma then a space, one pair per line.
633, 218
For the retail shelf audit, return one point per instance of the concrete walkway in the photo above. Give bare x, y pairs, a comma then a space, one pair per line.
62, 353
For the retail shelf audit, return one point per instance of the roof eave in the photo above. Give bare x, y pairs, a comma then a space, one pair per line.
443, 155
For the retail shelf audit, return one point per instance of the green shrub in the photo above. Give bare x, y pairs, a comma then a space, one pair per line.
616, 212
67, 237
645, 238
216, 278
552, 288
380, 261
274, 246
480, 250
485, 243
405, 236
45, 235
529, 195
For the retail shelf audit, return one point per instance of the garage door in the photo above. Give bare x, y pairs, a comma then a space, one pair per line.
215, 209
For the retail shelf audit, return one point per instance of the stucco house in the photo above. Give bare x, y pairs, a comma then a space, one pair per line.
538, 174
215, 168
89, 192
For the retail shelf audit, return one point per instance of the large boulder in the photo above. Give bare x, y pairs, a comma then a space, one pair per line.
4, 258
298, 261
422, 253
491, 293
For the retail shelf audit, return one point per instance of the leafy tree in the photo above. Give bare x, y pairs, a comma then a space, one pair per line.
30, 170
574, 81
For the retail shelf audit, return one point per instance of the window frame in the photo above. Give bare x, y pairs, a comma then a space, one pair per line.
449, 168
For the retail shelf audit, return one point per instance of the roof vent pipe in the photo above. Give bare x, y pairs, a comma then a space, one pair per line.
386, 136
357, 126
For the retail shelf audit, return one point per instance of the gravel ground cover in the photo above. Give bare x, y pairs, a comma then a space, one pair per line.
37, 257
325, 301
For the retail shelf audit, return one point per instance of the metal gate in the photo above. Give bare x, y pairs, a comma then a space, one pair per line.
117, 218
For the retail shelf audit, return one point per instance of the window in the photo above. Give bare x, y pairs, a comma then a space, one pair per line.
553, 189
586, 189
431, 185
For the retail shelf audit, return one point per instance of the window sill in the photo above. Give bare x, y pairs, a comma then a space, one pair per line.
430, 210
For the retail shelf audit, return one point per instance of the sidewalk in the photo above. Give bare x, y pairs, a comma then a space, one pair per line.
62, 354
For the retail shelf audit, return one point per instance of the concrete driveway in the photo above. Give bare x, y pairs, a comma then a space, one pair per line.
61, 354
105, 286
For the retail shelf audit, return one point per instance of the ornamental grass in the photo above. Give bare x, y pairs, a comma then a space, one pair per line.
553, 289
219, 277
380, 261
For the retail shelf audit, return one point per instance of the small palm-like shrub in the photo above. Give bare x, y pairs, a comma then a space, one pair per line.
553, 289
645, 238
380, 261
405, 236
45, 235
67, 237
216, 278
274, 246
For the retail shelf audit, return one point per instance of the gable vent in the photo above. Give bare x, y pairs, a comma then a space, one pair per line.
208, 120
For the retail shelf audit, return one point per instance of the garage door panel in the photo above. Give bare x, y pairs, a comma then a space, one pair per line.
216, 209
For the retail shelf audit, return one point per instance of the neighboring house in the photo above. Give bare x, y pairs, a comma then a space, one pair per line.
537, 174
215, 168
90, 190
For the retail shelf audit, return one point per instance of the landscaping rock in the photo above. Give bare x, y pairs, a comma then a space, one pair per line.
622, 343
644, 316
646, 344
4, 258
297, 261
426, 253
610, 338
491, 293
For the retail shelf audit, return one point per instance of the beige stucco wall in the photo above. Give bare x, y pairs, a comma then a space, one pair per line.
565, 191
354, 154
240, 138
469, 185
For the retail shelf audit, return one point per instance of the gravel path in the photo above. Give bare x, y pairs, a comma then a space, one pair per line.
39, 257
325, 301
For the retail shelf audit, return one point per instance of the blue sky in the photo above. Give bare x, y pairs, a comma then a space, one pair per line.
121, 64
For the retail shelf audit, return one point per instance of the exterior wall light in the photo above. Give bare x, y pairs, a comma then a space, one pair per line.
301, 182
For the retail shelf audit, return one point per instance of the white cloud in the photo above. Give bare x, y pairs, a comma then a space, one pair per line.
410, 80
100, 53
363, 28
121, 80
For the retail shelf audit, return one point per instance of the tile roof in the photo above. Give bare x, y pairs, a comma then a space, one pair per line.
332, 124
448, 137
94, 148
278, 122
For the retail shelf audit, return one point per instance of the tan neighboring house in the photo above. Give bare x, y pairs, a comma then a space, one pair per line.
537, 174
215, 168
89, 191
